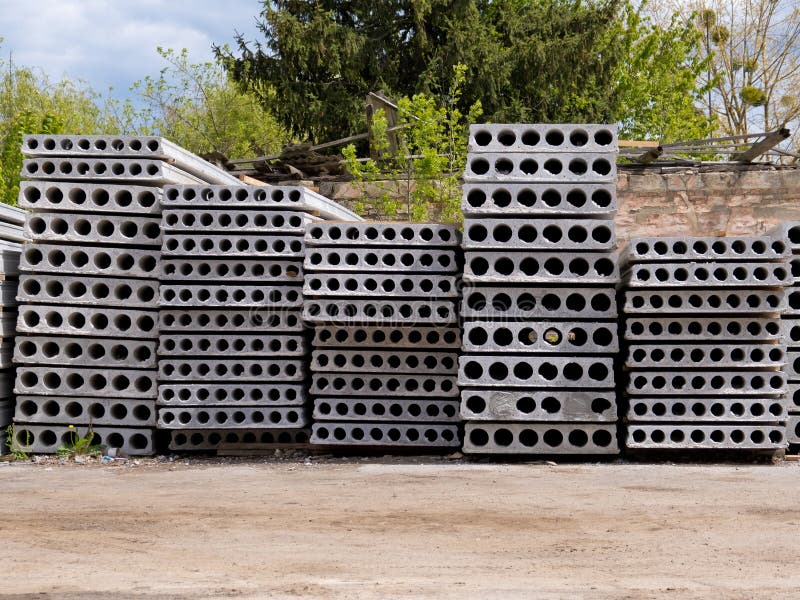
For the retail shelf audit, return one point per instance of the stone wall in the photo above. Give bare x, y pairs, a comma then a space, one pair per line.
695, 201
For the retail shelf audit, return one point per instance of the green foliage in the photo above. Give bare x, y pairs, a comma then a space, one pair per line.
80, 445
17, 450
548, 60
720, 34
193, 104
432, 150
753, 96
198, 107
381, 175
31, 103
708, 18
658, 86
11, 153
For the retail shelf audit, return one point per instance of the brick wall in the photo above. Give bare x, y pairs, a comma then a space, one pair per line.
687, 201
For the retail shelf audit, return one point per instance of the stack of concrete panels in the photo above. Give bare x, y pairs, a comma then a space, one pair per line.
539, 310
11, 237
789, 233
88, 316
382, 298
233, 354
704, 352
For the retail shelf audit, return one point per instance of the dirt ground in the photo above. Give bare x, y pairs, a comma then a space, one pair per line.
391, 528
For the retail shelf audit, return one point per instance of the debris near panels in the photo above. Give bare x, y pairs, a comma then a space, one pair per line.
89, 288
704, 354
383, 301
539, 310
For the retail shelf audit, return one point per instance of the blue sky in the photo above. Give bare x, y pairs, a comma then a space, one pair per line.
111, 43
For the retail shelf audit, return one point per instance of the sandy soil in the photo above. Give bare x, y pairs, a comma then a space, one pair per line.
411, 528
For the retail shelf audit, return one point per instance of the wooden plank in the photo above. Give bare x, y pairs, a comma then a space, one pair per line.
246, 179
770, 141
639, 143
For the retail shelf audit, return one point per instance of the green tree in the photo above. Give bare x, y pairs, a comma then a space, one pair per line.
198, 107
539, 60
659, 87
753, 76
31, 103
430, 156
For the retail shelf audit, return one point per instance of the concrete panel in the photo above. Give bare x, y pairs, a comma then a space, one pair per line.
583, 167
85, 411
225, 220
230, 417
387, 312
368, 260
95, 322
793, 365
528, 199
426, 435
707, 383
747, 302
536, 371
540, 438
199, 320
540, 337
88, 352
228, 246
89, 197
215, 369
332, 336
510, 304
544, 138
278, 197
94, 291
728, 437
88, 260
111, 230
708, 275
228, 345
379, 284
222, 270
538, 234
369, 234
415, 410
695, 410
84, 381
386, 362
701, 249
555, 405
718, 356
541, 267
183, 440
230, 295
791, 332
47, 439
793, 430
688, 329
232, 394
383, 386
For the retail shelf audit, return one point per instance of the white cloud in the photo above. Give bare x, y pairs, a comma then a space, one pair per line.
112, 42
